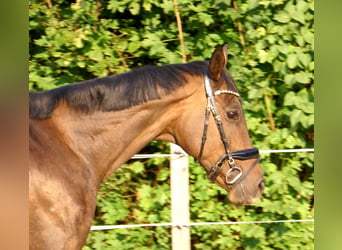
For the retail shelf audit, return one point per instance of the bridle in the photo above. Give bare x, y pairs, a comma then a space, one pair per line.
229, 156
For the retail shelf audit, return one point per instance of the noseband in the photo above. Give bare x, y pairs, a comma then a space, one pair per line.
229, 156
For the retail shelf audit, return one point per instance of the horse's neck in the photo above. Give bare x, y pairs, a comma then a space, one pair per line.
106, 140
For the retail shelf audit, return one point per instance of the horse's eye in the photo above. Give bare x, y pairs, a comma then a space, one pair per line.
233, 114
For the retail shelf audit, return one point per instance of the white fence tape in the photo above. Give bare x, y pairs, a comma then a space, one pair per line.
108, 227
266, 151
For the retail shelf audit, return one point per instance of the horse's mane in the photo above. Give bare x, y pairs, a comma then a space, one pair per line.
115, 92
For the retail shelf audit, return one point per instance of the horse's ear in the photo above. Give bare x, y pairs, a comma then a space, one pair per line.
218, 61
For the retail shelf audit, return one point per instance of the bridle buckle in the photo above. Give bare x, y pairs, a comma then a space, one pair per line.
236, 177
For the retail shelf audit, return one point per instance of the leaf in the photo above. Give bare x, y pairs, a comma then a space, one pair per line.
133, 46
295, 117
252, 4
305, 59
307, 34
95, 55
298, 16
303, 77
137, 167
282, 17
290, 79
292, 61
307, 121
205, 18
262, 55
283, 48
134, 8
289, 98
163, 174
81, 64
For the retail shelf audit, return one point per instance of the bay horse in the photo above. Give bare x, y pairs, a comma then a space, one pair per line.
81, 133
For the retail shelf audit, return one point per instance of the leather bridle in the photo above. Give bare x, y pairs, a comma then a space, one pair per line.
228, 156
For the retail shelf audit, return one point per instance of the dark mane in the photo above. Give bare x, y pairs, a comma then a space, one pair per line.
115, 92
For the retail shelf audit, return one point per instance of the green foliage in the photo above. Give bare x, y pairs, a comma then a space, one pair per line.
272, 61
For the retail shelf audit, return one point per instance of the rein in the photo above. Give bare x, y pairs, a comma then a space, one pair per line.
228, 156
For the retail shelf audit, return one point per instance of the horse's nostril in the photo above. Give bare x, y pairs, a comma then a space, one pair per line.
261, 185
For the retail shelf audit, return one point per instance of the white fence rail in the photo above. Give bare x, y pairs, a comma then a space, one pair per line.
265, 151
169, 224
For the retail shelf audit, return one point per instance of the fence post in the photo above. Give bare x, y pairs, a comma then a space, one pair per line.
180, 213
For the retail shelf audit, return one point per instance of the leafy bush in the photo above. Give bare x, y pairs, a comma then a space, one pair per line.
271, 59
